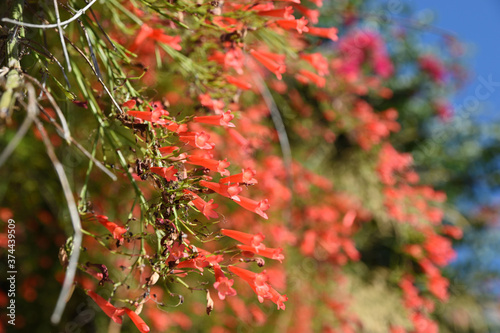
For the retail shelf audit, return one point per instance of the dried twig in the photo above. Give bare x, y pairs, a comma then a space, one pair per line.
52, 101
79, 146
62, 24
75, 221
61, 35
23, 129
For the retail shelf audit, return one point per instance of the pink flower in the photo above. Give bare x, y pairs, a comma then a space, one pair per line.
223, 284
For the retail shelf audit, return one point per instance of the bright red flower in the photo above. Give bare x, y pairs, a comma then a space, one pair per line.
244, 85
294, 1
151, 116
167, 150
264, 251
112, 312
129, 104
273, 62
238, 138
231, 191
197, 140
158, 35
254, 206
330, 33
243, 237
138, 322
113, 228
198, 263
257, 281
318, 61
206, 208
217, 166
278, 299
438, 285
223, 284
219, 120
214, 104
311, 14
286, 13
245, 177
299, 24
167, 173
308, 76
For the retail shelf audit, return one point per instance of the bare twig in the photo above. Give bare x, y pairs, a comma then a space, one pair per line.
100, 27
61, 35
91, 50
79, 146
52, 101
75, 221
62, 24
23, 129
98, 78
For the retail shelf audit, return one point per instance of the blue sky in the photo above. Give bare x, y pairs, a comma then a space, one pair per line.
478, 26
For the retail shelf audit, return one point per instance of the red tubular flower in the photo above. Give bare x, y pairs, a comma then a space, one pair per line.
197, 140
294, 1
311, 77
225, 190
218, 166
198, 263
167, 173
222, 284
278, 299
214, 104
318, 61
138, 322
264, 251
273, 62
243, 85
258, 282
219, 120
211, 258
330, 33
286, 13
311, 14
151, 116
167, 150
238, 138
318, 3
245, 177
254, 206
147, 32
129, 104
243, 237
299, 24
113, 228
206, 208
112, 312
